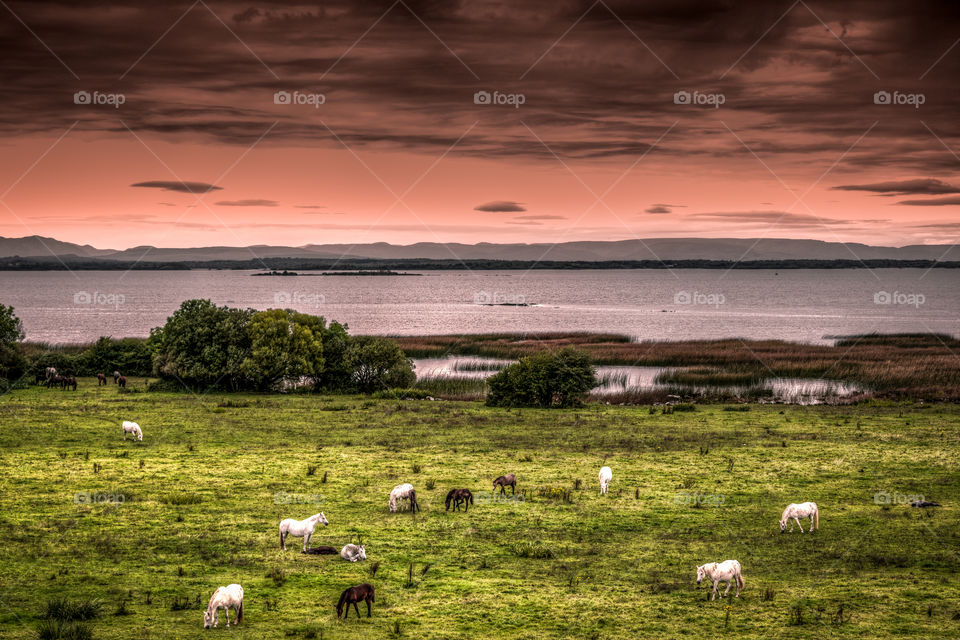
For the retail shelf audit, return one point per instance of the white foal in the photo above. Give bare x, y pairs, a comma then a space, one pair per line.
727, 571
354, 553
796, 511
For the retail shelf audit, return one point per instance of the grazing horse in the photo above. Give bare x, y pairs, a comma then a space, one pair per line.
503, 482
796, 511
459, 497
116, 377
101, 379
606, 475
354, 553
727, 571
133, 429
300, 529
40, 378
68, 381
122, 381
56, 380
49, 373
403, 492
225, 598
353, 595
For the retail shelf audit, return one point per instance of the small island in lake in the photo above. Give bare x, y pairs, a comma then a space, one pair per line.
336, 273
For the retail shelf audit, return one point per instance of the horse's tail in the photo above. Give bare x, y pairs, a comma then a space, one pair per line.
470, 497
240, 612
281, 537
414, 505
816, 516
740, 582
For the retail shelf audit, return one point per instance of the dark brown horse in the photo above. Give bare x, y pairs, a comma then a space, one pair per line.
503, 482
459, 497
353, 595
122, 381
101, 379
68, 381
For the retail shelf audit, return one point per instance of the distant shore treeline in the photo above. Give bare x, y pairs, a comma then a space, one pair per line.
64, 263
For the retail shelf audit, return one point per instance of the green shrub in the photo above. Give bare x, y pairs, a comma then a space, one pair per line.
545, 379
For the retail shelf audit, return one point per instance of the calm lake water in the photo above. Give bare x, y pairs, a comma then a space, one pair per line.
797, 305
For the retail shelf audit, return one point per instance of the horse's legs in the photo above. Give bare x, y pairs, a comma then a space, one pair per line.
714, 595
356, 608
283, 539
798, 524
729, 584
368, 607
513, 489
306, 540
226, 613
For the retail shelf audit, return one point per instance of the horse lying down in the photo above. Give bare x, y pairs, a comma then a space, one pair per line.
322, 551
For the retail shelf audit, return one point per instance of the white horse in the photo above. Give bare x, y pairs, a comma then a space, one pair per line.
403, 492
606, 475
300, 529
133, 429
224, 598
796, 511
354, 553
727, 571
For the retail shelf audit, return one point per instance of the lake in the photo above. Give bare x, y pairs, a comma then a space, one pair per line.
797, 305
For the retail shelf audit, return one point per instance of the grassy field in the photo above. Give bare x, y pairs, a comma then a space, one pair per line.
204, 492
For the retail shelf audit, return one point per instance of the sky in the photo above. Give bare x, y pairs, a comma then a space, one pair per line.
182, 124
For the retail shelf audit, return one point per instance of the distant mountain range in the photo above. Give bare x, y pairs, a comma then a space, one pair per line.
666, 249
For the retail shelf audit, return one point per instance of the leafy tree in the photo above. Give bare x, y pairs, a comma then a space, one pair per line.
202, 344
337, 373
13, 365
545, 379
379, 363
283, 345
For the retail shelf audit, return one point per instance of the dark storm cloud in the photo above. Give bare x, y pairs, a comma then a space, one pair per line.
933, 202
174, 185
920, 186
601, 91
658, 208
777, 218
500, 206
247, 203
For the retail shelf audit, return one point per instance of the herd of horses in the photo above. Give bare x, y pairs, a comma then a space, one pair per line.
231, 596
50, 378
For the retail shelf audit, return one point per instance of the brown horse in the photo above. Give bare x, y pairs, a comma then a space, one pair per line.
68, 381
122, 381
459, 497
101, 379
503, 482
353, 595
